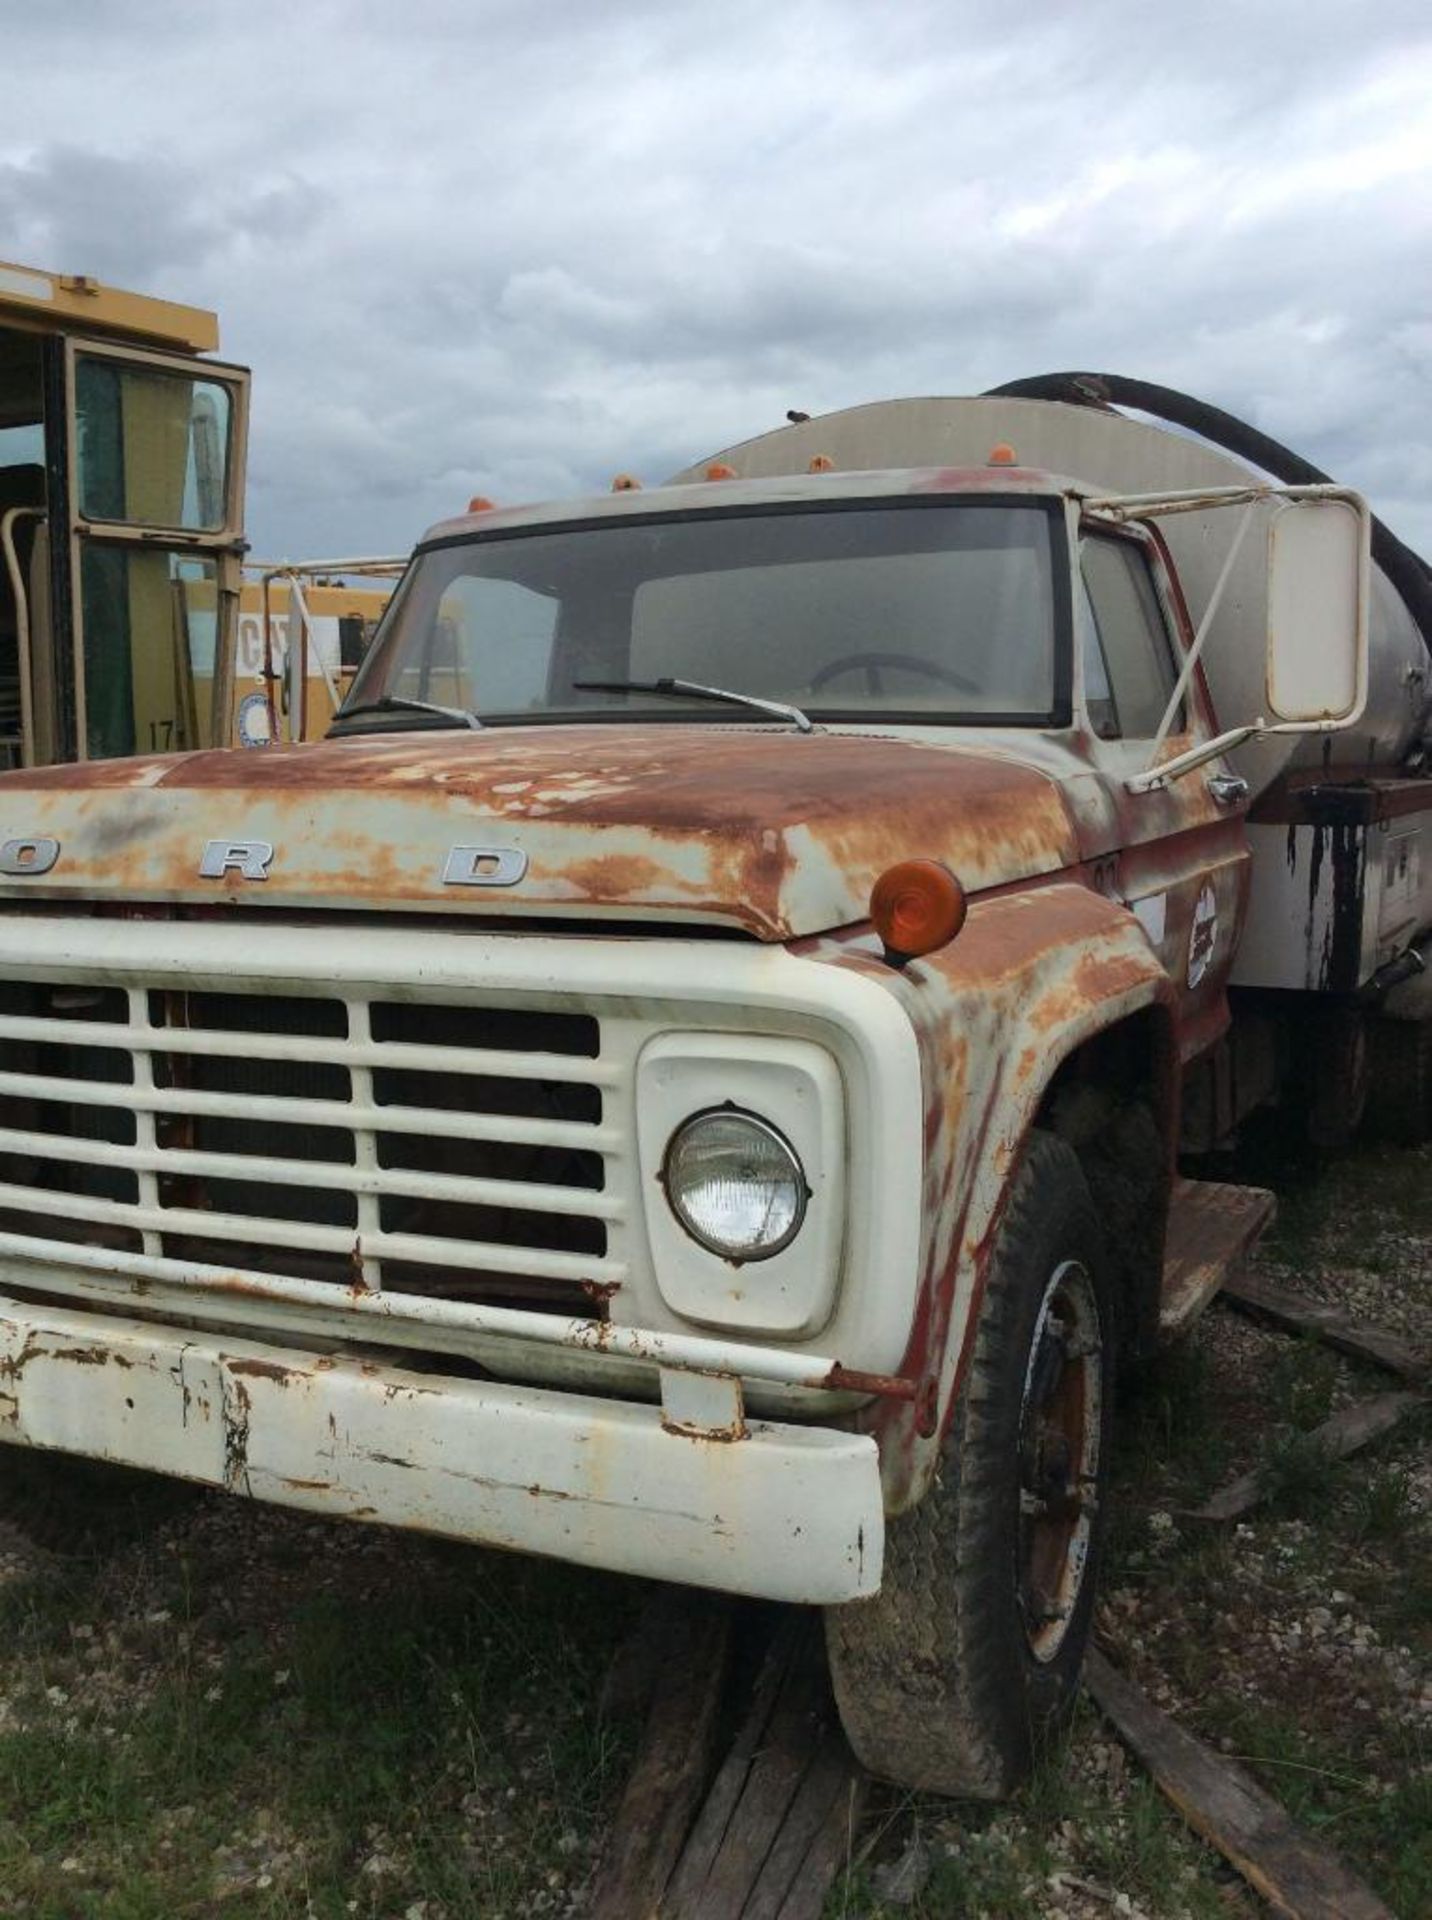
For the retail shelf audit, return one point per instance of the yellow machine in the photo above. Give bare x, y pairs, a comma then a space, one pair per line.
302, 634
121, 522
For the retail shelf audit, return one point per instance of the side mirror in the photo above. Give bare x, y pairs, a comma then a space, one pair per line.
1318, 563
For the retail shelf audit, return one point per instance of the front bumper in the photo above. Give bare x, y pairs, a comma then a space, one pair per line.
783, 1512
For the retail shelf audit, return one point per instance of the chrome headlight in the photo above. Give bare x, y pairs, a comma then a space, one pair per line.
735, 1184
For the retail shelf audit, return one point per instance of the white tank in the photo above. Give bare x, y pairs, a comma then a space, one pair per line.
1111, 451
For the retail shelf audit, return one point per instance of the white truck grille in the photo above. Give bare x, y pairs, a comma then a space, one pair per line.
452, 1150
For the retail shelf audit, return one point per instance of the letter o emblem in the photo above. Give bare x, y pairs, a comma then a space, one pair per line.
26, 857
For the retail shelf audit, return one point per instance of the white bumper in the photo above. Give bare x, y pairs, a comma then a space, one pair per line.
785, 1512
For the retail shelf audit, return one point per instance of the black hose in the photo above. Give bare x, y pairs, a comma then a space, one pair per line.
1407, 570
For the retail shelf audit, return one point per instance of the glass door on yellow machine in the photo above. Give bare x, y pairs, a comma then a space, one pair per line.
156, 495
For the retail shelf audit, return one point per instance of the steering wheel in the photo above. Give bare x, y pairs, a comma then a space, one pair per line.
872, 663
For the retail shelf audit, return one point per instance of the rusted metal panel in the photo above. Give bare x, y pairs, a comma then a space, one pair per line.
1212, 1229
695, 823
1356, 795
1034, 973
783, 1512
707, 1406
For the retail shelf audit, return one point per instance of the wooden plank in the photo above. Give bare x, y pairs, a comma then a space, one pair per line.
776, 1827
1212, 1229
712, 1822
1298, 1314
1343, 1434
830, 1849
813, 1840
1299, 1878
777, 1767
687, 1642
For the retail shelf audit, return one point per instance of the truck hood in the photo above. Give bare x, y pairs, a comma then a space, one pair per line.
777, 835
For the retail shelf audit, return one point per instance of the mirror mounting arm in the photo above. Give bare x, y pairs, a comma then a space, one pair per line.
1155, 778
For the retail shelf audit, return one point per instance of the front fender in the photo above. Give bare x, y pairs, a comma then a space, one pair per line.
1032, 976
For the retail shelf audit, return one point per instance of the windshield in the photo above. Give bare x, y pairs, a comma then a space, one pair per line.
919, 610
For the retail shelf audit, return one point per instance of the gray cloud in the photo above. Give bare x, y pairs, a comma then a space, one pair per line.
482, 247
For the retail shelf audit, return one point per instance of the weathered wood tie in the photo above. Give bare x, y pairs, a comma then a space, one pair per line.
1294, 1311
676, 1674
1299, 1878
763, 1834
1343, 1434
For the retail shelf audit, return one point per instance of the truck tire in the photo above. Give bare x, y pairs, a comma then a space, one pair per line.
971, 1651
69, 1505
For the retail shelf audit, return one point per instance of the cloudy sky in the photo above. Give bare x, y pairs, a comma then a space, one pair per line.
481, 246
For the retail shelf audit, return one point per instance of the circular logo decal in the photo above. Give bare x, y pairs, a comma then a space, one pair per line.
254, 721
1203, 935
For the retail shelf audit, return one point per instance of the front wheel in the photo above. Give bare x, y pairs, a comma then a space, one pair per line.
971, 1650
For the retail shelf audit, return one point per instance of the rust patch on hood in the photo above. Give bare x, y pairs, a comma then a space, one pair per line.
778, 834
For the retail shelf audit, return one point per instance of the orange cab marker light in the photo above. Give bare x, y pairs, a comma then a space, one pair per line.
917, 906
718, 470
821, 463
480, 503
1002, 454
626, 483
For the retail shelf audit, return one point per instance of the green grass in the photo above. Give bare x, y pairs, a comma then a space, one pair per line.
1297, 1474
1384, 1829
1382, 1506
999, 1861
1302, 1382
459, 1703
1166, 1432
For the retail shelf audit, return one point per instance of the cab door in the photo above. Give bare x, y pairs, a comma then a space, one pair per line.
155, 493
1178, 857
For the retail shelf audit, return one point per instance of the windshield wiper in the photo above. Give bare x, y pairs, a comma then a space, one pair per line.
692, 690
395, 703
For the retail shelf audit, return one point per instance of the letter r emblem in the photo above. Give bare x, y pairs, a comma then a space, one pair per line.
251, 859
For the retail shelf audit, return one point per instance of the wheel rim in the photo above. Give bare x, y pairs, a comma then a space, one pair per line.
1060, 1426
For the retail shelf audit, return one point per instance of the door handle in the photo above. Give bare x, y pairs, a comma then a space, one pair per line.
1228, 789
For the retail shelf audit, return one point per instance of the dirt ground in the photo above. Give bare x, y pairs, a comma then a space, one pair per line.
254, 1714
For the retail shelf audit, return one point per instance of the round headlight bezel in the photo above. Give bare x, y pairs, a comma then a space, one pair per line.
728, 1110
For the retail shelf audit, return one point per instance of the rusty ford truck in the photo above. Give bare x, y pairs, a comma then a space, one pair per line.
689, 1077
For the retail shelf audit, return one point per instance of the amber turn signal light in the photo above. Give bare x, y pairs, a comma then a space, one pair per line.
917, 906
